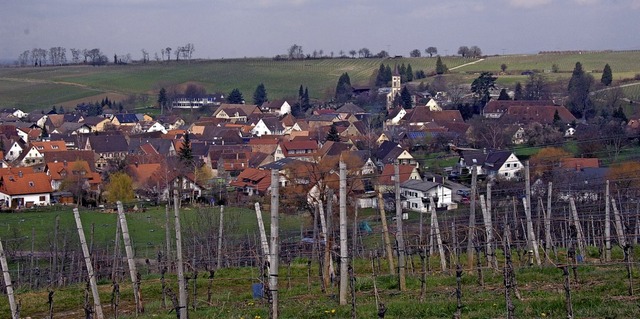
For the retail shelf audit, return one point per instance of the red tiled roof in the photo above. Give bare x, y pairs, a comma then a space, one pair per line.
25, 183
579, 163
389, 171
258, 179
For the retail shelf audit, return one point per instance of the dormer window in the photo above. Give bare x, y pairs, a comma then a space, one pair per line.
40, 147
55, 147
31, 184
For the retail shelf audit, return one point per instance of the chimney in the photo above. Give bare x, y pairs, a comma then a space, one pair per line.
20, 174
64, 163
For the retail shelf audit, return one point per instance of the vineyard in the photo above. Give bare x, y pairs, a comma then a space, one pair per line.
35, 88
513, 252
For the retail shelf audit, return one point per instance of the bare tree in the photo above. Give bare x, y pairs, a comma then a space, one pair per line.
177, 52
295, 52
75, 55
162, 51
168, 50
145, 56
23, 58
353, 53
431, 51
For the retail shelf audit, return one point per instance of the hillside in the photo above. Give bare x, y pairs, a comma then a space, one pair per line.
34, 88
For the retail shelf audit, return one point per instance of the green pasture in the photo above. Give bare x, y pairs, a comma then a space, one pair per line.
147, 227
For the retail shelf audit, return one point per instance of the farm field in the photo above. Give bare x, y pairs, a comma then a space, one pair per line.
39, 88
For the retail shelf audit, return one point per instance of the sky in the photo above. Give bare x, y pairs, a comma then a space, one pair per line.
265, 28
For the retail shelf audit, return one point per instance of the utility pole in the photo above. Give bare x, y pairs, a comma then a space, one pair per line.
87, 260
133, 273
399, 235
182, 286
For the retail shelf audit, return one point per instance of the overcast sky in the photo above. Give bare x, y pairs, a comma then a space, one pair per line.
239, 28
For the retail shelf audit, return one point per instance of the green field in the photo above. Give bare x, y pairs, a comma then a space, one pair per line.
39, 88
147, 228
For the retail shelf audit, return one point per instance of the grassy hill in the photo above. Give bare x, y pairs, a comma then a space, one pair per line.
34, 88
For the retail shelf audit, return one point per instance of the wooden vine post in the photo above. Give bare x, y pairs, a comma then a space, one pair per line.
220, 233
130, 258
399, 232
264, 243
7, 284
472, 217
385, 233
436, 228
275, 243
344, 249
87, 259
182, 285
531, 236
607, 225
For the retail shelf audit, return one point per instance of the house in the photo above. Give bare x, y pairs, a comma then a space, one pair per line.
268, 126
395, 116
96, 123
391, 152
196, 102
253, 181
422, 115
387, 178
433, 106
526, 112
418, 195
492, 163
125, 119
171, 122
279, 107
304, 150
14, 151
35, 153
349, 109
77, 172
25, 190
236, 112
107, 148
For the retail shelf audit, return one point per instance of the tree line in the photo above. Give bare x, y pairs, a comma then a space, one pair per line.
58, 56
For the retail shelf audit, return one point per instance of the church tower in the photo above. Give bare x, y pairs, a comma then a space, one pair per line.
396, 86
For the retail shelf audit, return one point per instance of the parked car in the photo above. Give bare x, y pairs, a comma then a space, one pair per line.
463, 192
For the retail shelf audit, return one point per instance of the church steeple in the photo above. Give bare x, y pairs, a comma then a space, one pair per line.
396, 86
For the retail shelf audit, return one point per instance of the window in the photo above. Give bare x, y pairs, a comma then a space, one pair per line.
42, 198
31, 184
508, 165
506, 174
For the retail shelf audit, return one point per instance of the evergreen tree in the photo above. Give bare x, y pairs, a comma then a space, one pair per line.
343, 88
441, 68
300, 92
380, 77
333, 135
556, 117
162, 99
619, 114
482, 86
607, 76
61, 110
306, 104
388, 74
185, 154
579, 87
504, 96
403, 70
518, 94
260, 95
405, 98
54, 110
409, 73
44, 134
235, 97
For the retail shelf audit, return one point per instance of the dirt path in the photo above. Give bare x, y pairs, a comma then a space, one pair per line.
466, 64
